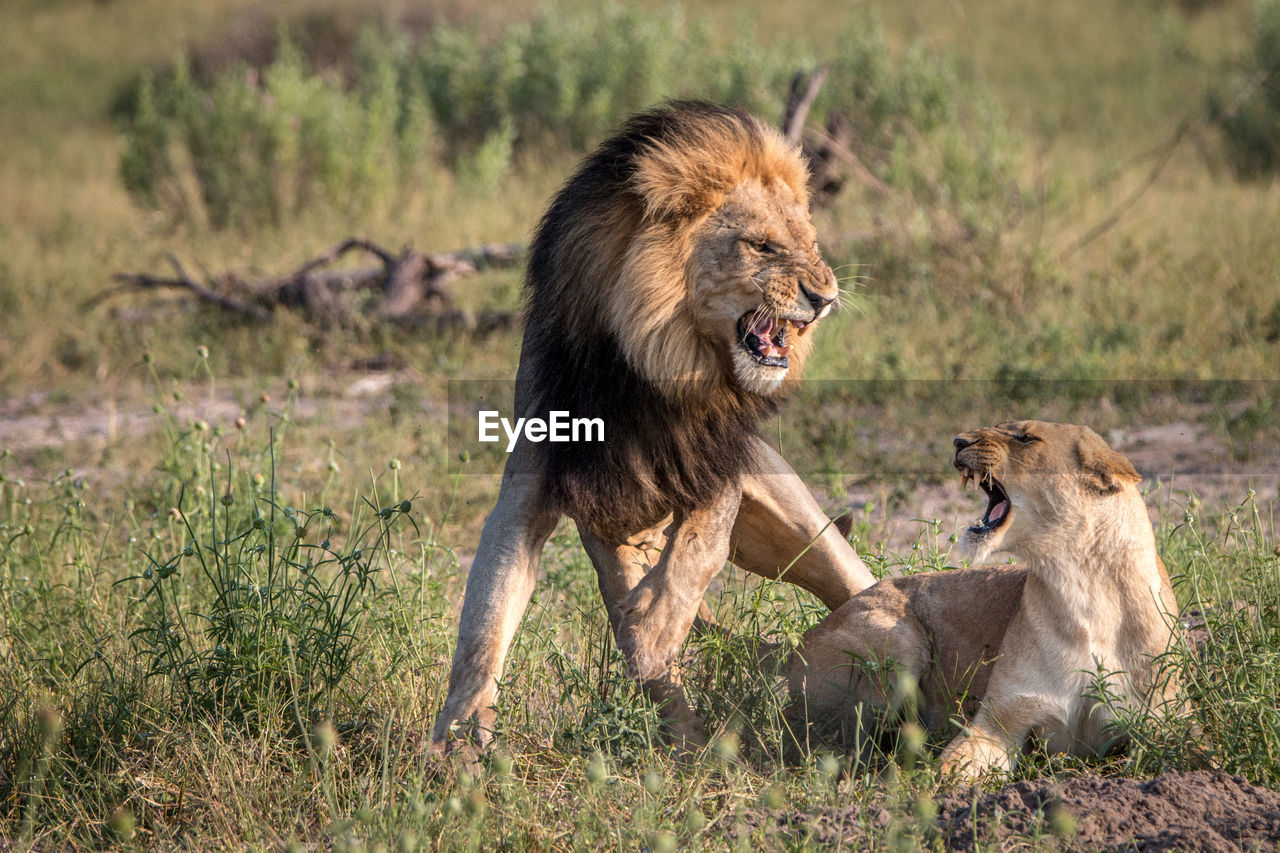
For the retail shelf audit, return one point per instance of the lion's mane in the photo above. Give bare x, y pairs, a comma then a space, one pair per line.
608, 330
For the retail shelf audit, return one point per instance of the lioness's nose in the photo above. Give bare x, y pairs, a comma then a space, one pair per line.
961, 442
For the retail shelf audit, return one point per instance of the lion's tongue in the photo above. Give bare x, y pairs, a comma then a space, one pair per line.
763, 329
769, 347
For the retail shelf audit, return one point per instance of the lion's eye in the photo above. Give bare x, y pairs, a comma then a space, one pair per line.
764, 247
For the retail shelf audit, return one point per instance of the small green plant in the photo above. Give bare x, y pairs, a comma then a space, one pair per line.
604, 714
277, 623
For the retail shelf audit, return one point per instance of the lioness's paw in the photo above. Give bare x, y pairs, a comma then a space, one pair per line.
960, 768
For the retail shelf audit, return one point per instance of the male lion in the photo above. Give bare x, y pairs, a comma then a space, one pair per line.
673, 286
1093, 601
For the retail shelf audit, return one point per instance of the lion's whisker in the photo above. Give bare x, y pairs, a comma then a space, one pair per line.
850, 264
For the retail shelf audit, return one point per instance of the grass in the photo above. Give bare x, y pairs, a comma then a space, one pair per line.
262, 688
224, 659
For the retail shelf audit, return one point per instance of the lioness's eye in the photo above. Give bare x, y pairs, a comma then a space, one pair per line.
1027, 438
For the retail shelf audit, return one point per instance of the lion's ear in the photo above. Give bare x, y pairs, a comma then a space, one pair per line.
1104, 469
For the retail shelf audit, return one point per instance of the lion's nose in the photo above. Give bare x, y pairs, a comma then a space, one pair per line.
817, 300
961, 442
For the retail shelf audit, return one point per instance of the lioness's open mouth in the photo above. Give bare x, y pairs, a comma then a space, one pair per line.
765, 338
998, 504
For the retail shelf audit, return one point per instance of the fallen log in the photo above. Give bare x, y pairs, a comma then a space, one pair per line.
408, 288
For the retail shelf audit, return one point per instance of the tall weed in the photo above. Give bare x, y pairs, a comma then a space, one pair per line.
1229, 667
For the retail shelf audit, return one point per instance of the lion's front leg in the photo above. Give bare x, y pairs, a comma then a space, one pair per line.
658, 613
498, 589
780, 524
620, 566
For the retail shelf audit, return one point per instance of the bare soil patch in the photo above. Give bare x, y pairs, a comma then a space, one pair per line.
1193, 811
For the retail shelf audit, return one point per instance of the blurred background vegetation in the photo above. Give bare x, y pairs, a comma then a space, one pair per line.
993, 139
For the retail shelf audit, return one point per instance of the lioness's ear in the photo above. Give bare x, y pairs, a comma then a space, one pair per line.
1104, 469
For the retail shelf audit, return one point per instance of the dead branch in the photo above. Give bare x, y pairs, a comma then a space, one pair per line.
803, 92
837, 145
1162, 154
1113, 218
407, 288
830, 152
144, 281
825, 179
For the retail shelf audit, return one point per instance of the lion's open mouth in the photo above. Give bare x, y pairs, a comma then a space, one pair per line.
998, 504
765, 338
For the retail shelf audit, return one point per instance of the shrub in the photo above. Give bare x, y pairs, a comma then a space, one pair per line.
566, 80
251, 147
1251, 127
261, 145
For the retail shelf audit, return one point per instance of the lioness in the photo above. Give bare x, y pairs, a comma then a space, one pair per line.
1093, 601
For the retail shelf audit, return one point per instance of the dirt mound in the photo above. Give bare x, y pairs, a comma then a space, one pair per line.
1196, 811
1199, 810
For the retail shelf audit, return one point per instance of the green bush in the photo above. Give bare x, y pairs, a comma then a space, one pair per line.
250, 146
1251, 127
566, 80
